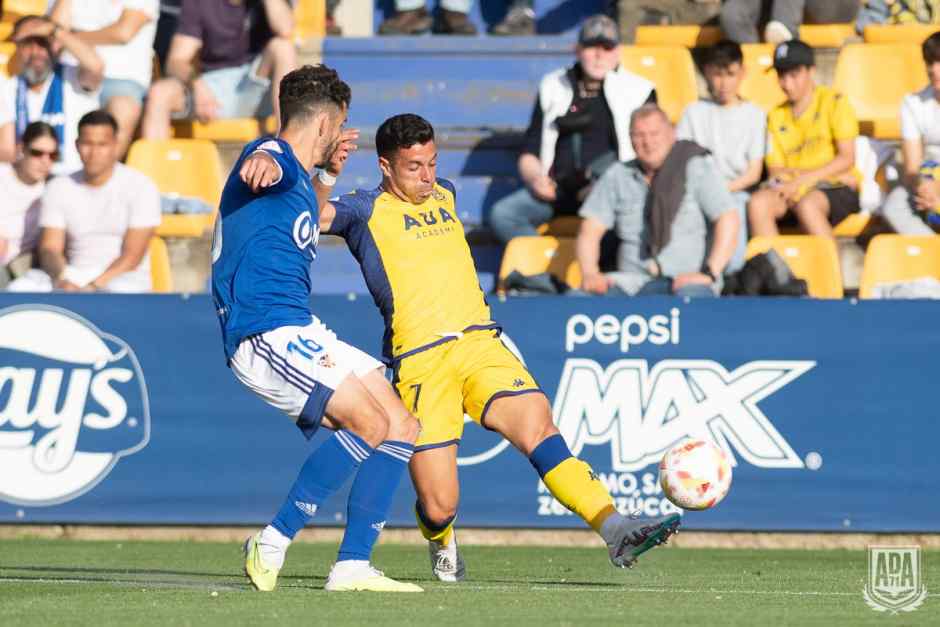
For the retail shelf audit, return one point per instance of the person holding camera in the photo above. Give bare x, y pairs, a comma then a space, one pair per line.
580, 125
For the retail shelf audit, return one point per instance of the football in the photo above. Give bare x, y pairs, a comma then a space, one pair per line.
695, 474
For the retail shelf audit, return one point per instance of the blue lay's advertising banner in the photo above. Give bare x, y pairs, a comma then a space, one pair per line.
120, 410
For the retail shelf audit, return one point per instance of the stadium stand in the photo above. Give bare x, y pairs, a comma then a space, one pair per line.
811, 258
182, 167
671, 69
894, 258
538, 254
229, 130
160, 274
876, 77
898, 33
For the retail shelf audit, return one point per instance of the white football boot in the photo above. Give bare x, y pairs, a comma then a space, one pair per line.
446, 563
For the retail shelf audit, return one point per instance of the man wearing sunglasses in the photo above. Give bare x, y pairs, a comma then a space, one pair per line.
580, 124
46, 90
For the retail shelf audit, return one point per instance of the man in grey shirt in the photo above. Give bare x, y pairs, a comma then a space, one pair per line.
702, 230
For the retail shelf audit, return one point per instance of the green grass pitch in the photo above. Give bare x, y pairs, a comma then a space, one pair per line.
61, 582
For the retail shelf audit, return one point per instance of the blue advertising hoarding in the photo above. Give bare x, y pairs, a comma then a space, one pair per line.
120, 410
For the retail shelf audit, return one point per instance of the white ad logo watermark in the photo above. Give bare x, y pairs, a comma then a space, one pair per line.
73, 401
895, 579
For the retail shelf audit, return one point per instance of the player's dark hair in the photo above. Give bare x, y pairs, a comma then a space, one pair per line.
305, 90
402, 131
99, 117
931, 49
35, 130
724, 54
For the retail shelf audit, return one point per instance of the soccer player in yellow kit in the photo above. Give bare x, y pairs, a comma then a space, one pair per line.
446, 352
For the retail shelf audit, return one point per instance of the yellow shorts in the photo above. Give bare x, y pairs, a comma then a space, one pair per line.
441, 384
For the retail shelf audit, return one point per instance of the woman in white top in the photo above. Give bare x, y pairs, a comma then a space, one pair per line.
909, 205
22, 183
122, 32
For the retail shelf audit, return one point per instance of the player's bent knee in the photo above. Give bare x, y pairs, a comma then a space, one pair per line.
439, 513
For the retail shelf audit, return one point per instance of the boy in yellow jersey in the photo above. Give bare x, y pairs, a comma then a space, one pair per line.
810, 151
446, 350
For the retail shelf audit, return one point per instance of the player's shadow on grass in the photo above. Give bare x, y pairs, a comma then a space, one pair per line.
556, 582
115, 570
130, 576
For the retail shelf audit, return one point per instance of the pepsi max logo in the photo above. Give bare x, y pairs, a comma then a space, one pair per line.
73, 401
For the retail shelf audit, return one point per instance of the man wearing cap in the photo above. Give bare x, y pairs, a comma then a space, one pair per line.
810, 151
46, 90
580, 125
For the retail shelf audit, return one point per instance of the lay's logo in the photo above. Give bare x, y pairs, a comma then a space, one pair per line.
73, 401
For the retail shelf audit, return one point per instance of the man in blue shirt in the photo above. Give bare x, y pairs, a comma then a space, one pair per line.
265, 240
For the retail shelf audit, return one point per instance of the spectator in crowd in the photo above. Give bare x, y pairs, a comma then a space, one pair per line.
897, 12
580, 125
782, 18
732, 129
22, 183
122, 32
914, 204
47, 90
810, 151
243, 49
96, 224
412, 18
672, 212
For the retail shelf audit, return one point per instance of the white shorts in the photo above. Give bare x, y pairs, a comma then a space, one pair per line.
297, 369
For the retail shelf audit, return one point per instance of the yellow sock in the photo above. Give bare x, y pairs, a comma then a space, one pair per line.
575, 485
442, 535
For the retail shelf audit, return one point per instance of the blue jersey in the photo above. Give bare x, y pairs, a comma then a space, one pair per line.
262, 249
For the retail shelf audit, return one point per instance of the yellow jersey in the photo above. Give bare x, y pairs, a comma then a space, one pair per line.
417, 266
809, 141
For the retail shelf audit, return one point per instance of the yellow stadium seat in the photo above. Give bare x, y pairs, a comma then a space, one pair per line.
537, 254
13, 9
234, 129
7, 48
760, 86
826, 35
876, 77
811, 258
309, 19
853, 225
899, 33
685, 35
671, 69
185, 167
892, 258
6, 29
160, 274
562, 226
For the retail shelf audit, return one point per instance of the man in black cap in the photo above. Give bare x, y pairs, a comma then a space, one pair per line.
580, 124
810, 151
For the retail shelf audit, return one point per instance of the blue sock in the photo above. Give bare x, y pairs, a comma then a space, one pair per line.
371, 498
552, 451
324, 472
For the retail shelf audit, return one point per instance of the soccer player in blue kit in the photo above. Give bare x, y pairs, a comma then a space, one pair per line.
265, 240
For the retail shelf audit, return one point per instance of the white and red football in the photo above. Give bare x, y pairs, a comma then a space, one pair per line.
695, 474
